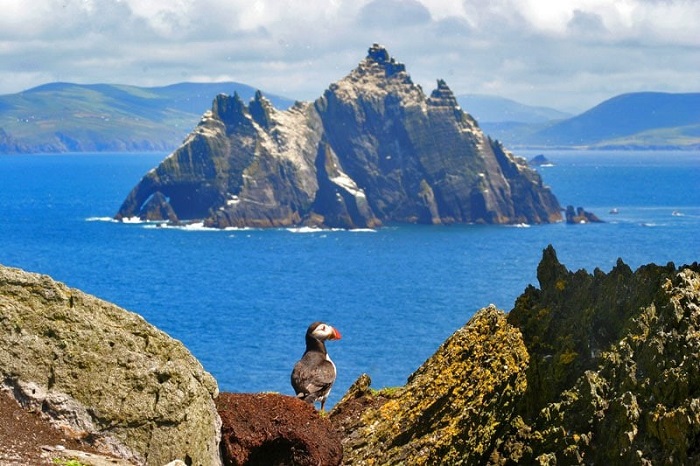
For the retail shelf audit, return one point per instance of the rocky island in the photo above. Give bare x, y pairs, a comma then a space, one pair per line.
541, 161
374, 149
580, 216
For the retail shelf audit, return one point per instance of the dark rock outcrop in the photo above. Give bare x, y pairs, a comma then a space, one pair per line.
373, 149
540, 160
614, 375
587, 369
158, 208
580, 215
104, 374
270, 429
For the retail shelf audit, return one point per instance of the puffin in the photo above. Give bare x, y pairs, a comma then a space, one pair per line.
313, 375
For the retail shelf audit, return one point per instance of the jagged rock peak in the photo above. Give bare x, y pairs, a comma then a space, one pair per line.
377, 75
378, 54
260, 109
229, 108
550, 270
443, 95
589, 369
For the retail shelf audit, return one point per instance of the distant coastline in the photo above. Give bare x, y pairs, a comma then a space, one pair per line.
66, 117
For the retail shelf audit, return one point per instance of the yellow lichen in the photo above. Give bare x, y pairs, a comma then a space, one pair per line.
454, 403
568, 357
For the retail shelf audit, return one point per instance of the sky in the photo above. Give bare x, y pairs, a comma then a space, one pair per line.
565, 54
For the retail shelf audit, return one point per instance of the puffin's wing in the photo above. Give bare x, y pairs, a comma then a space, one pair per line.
313, 375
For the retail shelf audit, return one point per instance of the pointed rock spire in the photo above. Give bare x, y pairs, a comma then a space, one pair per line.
260, 109
229, 108
380, 55
443, 95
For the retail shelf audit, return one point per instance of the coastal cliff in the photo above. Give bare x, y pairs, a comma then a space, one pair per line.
586, 369
373, 149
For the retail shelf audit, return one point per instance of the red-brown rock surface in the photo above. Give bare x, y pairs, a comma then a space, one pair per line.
270, 429
28, 438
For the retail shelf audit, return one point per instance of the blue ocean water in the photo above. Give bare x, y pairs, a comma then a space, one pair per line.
241, 300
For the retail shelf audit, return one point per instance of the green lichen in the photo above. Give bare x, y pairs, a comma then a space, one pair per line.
622, 387
387, 391
67, 462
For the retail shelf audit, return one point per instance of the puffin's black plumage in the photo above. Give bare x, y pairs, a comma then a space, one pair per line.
313, 375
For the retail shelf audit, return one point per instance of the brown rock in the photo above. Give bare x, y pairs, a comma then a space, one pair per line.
270, 429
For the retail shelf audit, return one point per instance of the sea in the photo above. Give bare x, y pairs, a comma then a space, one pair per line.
241, 300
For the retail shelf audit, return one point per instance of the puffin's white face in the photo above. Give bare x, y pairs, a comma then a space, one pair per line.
325, 332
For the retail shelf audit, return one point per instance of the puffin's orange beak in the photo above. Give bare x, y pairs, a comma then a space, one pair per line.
336, 334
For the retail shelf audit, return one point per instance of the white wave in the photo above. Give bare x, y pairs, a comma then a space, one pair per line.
520, 225
195, 226
156, 225
132, 220
101, 219
326, 230
306, 230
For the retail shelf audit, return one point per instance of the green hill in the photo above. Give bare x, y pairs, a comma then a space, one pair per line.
489, 109
60, 117
637, 120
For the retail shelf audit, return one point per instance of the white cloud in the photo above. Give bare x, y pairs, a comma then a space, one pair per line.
567, 54
397, 13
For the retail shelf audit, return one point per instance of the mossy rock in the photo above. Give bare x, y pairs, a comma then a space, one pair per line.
614, 374
453, 409
105, 373
600, 368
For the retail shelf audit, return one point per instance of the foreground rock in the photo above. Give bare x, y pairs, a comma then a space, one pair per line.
588, 369
453, 409
373, 149
614, 375
271, 429
104, 374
